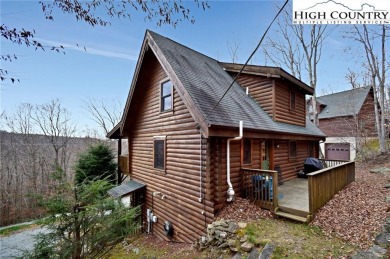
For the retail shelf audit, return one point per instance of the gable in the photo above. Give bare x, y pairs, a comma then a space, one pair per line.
200, 81
346, 103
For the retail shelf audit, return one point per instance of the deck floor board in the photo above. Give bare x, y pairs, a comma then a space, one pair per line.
294, 194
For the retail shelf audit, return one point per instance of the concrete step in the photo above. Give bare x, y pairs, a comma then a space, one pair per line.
291, 216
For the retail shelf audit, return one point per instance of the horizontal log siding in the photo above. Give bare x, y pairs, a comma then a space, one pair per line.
180, 182
282, 105
290, 166
261, 89
218, 167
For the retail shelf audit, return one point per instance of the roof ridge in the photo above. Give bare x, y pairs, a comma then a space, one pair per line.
178, 43
349, 90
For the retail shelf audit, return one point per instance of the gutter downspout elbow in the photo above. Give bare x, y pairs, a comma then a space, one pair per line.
230, 191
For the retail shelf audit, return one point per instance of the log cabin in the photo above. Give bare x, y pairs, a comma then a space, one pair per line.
184, 140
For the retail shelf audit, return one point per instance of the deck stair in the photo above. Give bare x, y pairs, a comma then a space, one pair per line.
296, 215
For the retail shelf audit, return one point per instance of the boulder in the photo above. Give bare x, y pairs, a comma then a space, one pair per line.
220, 224
380, 170
242, 224
383, 239
237, 256
267, 251
244, 239
246, 246
254, 254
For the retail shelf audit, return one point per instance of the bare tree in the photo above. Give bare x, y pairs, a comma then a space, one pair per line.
107, 114
298, 46
233, 50
55, 124
373, 41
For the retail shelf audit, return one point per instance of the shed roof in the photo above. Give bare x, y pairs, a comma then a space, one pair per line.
346, 103
125, 188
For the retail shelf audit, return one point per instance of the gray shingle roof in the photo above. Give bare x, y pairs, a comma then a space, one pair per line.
345, 103
125, 188
205, 81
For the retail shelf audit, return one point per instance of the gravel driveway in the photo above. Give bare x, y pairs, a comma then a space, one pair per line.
13, 245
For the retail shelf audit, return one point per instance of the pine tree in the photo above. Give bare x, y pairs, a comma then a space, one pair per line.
97, 163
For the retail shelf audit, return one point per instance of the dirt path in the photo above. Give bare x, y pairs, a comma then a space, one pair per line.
13, 245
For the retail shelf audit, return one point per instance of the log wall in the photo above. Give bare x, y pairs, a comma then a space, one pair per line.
289, 166
179, 185
282, 104
261, 89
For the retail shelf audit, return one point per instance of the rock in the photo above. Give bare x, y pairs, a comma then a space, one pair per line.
244, 239
223, 245
254, 254
383, 239
380, 170
210, 229
242, 224
247, 247
203, 240
237, 256
220, 223
388, 199
232, 245
267, 251
374, 252
387, 185
223, 235
136, 250
233, 227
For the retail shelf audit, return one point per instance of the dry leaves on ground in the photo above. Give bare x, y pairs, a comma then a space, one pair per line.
357, 213
242, 210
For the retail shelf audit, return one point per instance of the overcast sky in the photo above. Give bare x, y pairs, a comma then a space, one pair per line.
105, 69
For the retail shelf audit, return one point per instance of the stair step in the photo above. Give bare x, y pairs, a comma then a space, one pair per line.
291, 216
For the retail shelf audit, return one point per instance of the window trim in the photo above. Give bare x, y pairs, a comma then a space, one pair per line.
293, 100
243, 151
161, 97
290, 145
160, 138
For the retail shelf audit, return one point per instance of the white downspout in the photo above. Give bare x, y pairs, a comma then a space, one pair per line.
230, 191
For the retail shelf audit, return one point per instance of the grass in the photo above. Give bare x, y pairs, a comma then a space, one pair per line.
13, 229
292, 240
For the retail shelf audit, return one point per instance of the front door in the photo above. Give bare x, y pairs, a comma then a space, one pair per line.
265, 154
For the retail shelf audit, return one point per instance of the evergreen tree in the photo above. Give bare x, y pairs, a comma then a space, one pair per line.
96, 164
84, 222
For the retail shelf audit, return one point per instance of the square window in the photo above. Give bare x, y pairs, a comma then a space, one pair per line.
159, 154
166, 96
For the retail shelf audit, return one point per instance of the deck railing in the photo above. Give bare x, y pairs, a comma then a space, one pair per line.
260, 186
325, 183
330, 163
123, 164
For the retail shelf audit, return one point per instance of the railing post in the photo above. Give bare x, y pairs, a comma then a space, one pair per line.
275, 189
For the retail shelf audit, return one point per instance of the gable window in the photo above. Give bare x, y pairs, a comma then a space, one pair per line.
292, 101
292, 149
247, 152
166, 96
159, 153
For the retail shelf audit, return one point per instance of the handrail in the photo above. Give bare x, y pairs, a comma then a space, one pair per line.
326, 169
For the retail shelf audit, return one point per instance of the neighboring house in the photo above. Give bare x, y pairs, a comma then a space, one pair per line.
348, 119
178, 144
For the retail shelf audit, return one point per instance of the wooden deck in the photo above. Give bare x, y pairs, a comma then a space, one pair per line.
299, 199
294, 194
